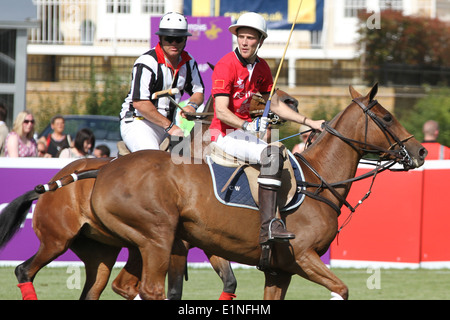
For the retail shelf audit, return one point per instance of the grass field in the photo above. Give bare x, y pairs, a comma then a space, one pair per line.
59, 283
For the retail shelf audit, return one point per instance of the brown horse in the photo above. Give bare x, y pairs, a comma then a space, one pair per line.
155, 200
77, 229
63, 220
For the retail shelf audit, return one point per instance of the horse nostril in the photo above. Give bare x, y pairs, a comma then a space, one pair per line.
423, 153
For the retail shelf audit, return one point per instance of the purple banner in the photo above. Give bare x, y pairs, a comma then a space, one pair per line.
209, 42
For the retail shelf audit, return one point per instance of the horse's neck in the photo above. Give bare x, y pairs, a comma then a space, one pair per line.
332, 158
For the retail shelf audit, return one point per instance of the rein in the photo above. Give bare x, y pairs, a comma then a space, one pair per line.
332, 186
400, 156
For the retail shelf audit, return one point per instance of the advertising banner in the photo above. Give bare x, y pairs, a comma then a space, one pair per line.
279, 14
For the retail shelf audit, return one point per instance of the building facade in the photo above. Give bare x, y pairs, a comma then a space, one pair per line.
15, 20
75, 36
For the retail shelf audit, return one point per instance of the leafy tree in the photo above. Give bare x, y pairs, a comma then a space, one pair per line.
405, 40
435, 106
106, 97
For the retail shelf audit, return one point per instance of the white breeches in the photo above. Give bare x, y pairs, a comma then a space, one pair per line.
242, 145
141, 135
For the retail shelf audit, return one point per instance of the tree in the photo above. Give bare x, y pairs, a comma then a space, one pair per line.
434, 106
403, 40
107, 98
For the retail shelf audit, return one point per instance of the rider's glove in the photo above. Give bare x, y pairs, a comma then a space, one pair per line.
257, 126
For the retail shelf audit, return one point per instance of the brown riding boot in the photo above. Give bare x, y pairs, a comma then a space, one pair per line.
272, 229
269, 180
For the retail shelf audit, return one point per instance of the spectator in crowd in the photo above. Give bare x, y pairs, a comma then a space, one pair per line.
57, 140
436, 151
20, 141
83, 145
102, 151
42, 150
3, 128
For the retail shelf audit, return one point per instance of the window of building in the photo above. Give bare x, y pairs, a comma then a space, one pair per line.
352, 7
118, 6
391, 4
8, 55
153, 6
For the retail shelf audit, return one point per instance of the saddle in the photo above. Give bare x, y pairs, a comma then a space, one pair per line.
123, 149
230, 167
288, 188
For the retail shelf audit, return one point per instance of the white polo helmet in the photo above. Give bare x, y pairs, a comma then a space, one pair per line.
250, 20
173, 24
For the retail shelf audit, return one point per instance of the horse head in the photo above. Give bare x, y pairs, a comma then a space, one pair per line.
379, 132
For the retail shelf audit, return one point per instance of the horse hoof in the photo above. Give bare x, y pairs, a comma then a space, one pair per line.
335, 296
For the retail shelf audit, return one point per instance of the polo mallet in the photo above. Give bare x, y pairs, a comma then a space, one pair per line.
267, 108
168, 94
165, 93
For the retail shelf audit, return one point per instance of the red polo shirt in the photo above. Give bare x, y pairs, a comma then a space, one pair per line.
234, 78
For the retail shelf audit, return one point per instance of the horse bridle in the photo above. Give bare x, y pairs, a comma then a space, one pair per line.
400, 155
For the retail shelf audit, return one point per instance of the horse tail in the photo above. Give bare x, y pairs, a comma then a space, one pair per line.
64, 181
14, 214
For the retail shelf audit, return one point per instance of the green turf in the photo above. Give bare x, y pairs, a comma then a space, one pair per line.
366, 284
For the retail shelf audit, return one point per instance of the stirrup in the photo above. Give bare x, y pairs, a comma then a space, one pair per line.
272, 238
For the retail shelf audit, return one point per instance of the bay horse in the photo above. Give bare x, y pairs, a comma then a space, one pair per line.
63, 220
156, 200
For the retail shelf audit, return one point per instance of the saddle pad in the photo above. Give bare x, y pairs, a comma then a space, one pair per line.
238, 193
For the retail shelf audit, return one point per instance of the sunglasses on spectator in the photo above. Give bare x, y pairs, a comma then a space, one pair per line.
172, 39
28, 121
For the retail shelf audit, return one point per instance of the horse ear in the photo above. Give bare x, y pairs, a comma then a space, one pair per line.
373, 91
354, 94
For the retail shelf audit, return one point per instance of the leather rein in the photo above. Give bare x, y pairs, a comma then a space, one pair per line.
400, 155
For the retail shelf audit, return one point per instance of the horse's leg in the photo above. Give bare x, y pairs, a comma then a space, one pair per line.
276, 285
25, 272
155, 263
126, 284
177, 269
98, 259
155, 250
225, 272
313, 269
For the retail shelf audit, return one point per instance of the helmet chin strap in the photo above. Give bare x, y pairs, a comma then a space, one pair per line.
257, 48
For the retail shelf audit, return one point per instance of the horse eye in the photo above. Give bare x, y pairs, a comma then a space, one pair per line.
387, 118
